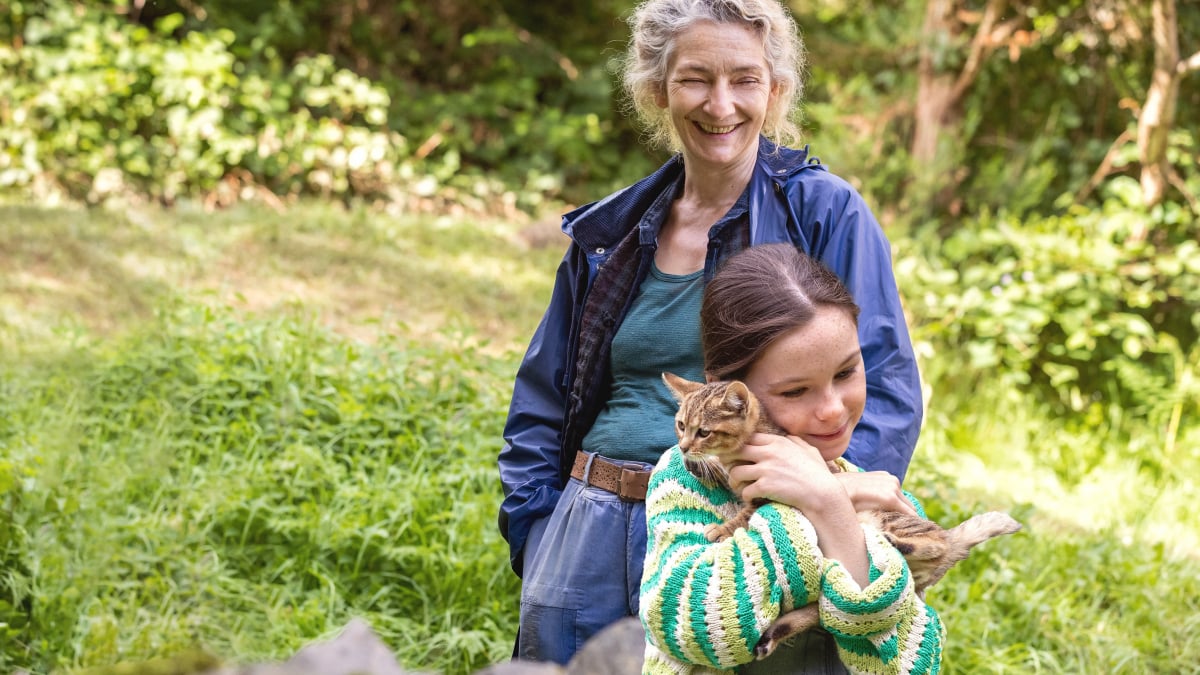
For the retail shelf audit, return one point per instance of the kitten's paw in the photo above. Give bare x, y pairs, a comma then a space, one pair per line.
714, 533
764, 648
770, 641
787, 626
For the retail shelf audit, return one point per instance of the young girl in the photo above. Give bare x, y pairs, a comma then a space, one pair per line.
787, 327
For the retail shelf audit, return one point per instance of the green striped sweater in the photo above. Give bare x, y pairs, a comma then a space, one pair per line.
704, 605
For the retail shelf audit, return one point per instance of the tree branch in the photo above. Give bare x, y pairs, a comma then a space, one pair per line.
1188, 64
985, 41
1105, 168
1175, 179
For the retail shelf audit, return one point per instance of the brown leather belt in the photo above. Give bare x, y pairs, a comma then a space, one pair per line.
628, 484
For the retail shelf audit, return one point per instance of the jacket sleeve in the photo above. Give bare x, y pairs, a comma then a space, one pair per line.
529, 461
849, 240
707, 604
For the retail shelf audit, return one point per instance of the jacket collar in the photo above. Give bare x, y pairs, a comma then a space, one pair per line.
601, 224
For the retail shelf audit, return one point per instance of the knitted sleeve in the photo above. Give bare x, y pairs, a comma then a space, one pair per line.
704, 605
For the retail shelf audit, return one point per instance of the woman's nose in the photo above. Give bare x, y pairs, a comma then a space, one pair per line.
720, 100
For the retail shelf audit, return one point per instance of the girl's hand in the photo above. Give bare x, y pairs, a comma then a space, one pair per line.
787, 470
784, 469
875, 490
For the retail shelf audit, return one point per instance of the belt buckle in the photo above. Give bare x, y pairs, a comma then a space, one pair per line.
628, 483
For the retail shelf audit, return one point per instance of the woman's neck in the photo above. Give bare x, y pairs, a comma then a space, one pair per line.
718, 189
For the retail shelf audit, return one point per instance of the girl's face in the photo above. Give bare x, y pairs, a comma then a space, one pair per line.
717, 91
812, 383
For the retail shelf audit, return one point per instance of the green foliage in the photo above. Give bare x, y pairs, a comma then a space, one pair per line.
223, 107
501, 101
1083, 587
15, 592
1061, 601
99, 106
1080, 309
248, 485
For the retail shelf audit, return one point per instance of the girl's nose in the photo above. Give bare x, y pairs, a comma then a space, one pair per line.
831, 406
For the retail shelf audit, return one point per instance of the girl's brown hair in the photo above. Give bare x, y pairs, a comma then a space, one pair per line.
758, 295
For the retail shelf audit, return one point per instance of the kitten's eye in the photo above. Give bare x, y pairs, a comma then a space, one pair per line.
679, 426
703, 433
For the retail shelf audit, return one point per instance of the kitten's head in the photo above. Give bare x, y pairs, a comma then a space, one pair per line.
714, 419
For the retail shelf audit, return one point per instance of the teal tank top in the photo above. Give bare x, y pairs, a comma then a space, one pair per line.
660, 333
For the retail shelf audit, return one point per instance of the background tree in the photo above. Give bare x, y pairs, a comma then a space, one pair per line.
1158, 112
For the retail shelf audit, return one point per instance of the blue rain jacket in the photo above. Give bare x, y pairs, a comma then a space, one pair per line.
793, 198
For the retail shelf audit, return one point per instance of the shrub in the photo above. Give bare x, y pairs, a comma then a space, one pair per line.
98, 106
1094, 311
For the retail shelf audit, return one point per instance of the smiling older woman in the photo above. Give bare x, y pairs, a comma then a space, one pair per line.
717, 81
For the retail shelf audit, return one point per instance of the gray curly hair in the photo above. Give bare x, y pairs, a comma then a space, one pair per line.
656, 23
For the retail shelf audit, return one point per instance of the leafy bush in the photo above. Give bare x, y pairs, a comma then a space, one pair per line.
182, 106
1083, 309
98, 106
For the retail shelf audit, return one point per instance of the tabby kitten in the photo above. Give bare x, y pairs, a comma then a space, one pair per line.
716, 419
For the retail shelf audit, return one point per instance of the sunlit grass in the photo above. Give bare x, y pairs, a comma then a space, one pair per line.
355, 271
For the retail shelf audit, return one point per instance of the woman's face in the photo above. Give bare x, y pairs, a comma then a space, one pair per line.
811, 381
717, 91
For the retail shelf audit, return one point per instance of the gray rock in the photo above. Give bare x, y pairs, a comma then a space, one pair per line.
357, 650
519, 667
616, 650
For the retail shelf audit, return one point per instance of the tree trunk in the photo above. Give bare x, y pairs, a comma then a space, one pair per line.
935, 90
1158, 113
940, 90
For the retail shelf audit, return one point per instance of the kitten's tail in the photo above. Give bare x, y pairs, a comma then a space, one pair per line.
980, 528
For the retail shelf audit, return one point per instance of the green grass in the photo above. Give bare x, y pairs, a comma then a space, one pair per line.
235, 431
248, 485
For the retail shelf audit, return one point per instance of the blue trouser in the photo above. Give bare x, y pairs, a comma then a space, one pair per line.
583, 571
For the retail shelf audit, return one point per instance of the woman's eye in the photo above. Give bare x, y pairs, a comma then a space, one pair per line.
846, 373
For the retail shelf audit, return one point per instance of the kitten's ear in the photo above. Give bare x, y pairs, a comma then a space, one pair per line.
737, 395
678, 386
